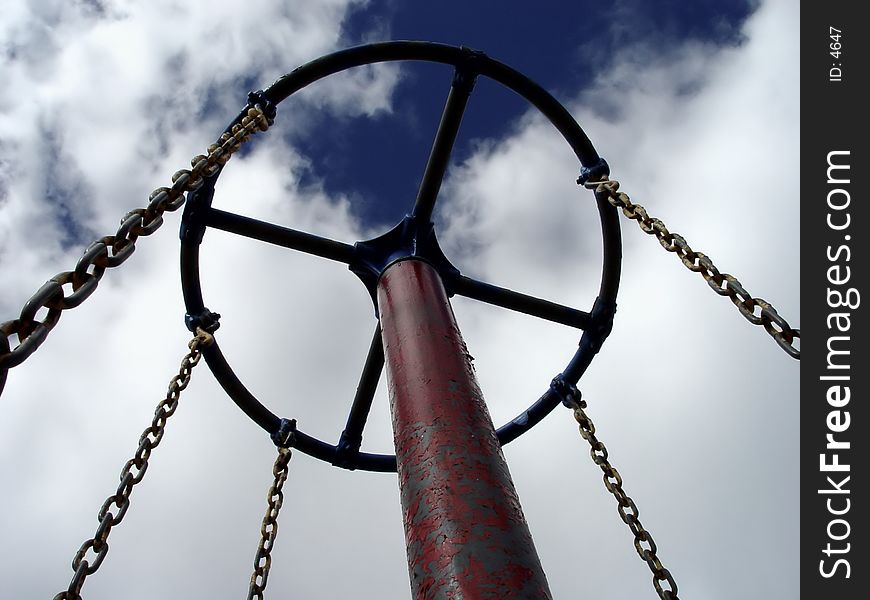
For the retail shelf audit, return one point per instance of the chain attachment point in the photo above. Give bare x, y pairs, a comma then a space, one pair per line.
206, 320
285, 435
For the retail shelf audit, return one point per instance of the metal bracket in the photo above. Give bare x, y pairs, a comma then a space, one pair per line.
199, 201
568, 393
206, 320
285, 436
602, 323
594, 172
347, 451
411, 238
269, 108
467, 70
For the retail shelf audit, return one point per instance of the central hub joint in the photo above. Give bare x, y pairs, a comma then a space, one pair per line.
411, 238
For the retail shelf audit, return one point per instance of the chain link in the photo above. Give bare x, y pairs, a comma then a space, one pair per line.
113, 250
628, 511
269, 528
755, 310
91, 553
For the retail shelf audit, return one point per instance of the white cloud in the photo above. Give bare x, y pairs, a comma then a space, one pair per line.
698, 408
123, 94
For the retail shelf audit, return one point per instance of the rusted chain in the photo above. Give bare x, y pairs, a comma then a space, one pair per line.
663, 581
755, 310
269, 528
111, 251
93, 551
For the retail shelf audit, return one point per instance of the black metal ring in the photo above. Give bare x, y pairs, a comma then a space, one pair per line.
605, 305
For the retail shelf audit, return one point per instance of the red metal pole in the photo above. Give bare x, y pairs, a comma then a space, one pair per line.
466, 534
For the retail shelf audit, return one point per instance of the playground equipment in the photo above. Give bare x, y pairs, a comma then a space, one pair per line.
474, 543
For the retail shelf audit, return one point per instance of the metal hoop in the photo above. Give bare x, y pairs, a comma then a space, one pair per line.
367, 259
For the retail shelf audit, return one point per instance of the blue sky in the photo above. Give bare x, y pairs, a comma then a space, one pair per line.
561, 45
694, 105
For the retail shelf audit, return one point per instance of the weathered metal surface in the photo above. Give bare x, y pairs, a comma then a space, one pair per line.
466, 534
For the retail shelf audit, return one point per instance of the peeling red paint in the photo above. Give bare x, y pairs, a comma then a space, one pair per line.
465, 531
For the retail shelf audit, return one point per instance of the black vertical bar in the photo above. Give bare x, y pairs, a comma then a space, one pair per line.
351, 438
439, 156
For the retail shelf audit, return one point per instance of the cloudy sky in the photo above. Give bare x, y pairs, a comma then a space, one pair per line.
696, 110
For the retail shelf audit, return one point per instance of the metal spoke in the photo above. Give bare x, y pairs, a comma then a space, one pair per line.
505, 298
439, 156
351, 437
280, 236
